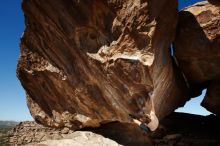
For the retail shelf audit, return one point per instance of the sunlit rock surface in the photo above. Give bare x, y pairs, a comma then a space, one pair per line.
197, 51
84, 63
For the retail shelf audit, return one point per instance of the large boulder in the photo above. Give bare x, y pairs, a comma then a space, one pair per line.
84, 63
197, 51
81, 139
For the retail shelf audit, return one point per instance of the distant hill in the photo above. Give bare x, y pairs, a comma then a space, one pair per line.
5, 127
8, 123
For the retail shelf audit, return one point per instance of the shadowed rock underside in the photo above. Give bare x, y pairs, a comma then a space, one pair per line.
197, 50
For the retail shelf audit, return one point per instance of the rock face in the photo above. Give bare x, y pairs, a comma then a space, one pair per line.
80, 139
177, 129
181, 129
215, 2
115, 133
84, 63
197, 51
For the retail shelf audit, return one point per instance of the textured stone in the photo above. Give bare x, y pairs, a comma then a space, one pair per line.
215, 2
31, 132
127, 134
81, 138
84, 62
197, 51
179, 129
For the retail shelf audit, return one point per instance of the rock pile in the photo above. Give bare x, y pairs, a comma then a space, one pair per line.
114, 134
177, 129
31, 132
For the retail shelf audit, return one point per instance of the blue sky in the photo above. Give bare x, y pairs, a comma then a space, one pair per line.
185, 3
12, 96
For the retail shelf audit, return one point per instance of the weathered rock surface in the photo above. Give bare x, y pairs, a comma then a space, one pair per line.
31, 132
177, 129
181, 129
124, 134
81, 139
197, 50
215, 2
83, 62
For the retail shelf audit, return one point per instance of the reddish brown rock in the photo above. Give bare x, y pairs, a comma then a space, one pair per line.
211, 100
197, 50
215, 2
84, 63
